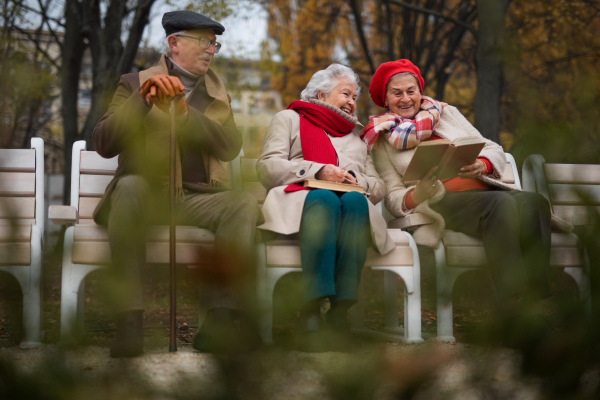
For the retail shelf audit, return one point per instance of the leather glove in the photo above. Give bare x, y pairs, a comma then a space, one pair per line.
163, 103
162, 86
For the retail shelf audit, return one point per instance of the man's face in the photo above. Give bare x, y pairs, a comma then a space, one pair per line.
188, 53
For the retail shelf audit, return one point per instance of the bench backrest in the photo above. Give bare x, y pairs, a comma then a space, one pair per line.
22, 185
90, 176
573, 190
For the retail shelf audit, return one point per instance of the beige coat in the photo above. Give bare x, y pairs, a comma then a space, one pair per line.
281, 163
391, 164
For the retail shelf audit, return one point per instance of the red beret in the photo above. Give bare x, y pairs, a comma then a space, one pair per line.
383, 74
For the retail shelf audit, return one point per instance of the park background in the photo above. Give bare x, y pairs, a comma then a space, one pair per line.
525, 73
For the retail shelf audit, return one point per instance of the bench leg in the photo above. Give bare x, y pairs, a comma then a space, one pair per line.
72, 294
32, 296
445, 279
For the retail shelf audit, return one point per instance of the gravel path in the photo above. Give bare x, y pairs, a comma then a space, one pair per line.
385, 371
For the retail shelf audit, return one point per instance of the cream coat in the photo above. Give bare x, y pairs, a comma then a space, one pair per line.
281, 163
391, 164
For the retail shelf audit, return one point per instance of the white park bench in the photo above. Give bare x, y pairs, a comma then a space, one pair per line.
457, 254
21, 230
86, 246
279, 257
573, 191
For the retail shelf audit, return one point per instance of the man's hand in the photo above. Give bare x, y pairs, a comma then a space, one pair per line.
426, 187
333, 173
161, 89
164, 105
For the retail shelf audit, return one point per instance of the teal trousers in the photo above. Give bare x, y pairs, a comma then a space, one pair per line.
334, 235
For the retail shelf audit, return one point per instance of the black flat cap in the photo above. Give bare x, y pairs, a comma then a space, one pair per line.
176, 21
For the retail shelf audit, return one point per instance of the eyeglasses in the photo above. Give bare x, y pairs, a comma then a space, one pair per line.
204, 42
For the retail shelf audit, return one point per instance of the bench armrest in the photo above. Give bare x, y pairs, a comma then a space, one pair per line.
410, 221
63, 215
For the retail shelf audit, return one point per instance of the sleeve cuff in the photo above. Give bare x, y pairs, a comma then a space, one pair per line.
408, 203
488, 165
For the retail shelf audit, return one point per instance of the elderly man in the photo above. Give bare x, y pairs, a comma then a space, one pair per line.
136, 128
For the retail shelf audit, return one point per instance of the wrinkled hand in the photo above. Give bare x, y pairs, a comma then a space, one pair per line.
426, 187
333, 173
472, 170
161, 89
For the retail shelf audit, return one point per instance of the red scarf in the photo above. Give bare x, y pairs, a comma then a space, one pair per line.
315, 120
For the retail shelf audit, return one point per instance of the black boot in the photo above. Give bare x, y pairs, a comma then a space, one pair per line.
129, 341
338, 327
310, 335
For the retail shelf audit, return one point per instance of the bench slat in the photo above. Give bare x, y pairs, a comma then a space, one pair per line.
87, 205
577, 215
184, 234
17, 160
92, 163
17, 184
15, 253
156, 253
93, 185
12, 222
572, 173
578, 194
17, 207
15, 233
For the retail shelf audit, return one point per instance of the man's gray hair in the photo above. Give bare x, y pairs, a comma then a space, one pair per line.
166, 47
327, 79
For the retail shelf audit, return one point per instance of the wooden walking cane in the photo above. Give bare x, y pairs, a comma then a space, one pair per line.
172, 265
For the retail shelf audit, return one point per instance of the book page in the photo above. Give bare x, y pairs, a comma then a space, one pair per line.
427, 155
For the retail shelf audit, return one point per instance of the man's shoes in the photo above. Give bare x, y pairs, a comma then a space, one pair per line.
227, 331
129, 341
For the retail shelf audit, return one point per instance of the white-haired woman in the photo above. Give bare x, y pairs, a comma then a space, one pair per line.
317, 138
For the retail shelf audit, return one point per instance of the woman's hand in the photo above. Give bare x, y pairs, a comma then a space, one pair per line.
333, 173
472, 170
426, 187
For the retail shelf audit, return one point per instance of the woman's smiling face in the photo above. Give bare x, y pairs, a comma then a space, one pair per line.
343, 96
403, 96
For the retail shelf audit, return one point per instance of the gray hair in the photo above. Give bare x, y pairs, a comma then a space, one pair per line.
327, 79
166, 47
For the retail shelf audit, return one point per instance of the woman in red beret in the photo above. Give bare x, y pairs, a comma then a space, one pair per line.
514, 225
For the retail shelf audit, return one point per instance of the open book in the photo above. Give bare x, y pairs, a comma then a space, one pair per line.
334, 186
450, 157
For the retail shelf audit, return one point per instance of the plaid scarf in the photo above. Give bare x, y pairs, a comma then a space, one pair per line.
404, 133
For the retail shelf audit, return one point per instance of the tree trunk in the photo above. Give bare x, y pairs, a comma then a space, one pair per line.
72, 56
490, 59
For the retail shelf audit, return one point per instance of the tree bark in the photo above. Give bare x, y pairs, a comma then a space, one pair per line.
72, 56
490, 60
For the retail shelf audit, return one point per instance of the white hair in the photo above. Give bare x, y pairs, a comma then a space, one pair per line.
327, 79
166, 47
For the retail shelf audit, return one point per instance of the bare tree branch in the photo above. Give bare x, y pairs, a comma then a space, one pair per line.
413, 7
